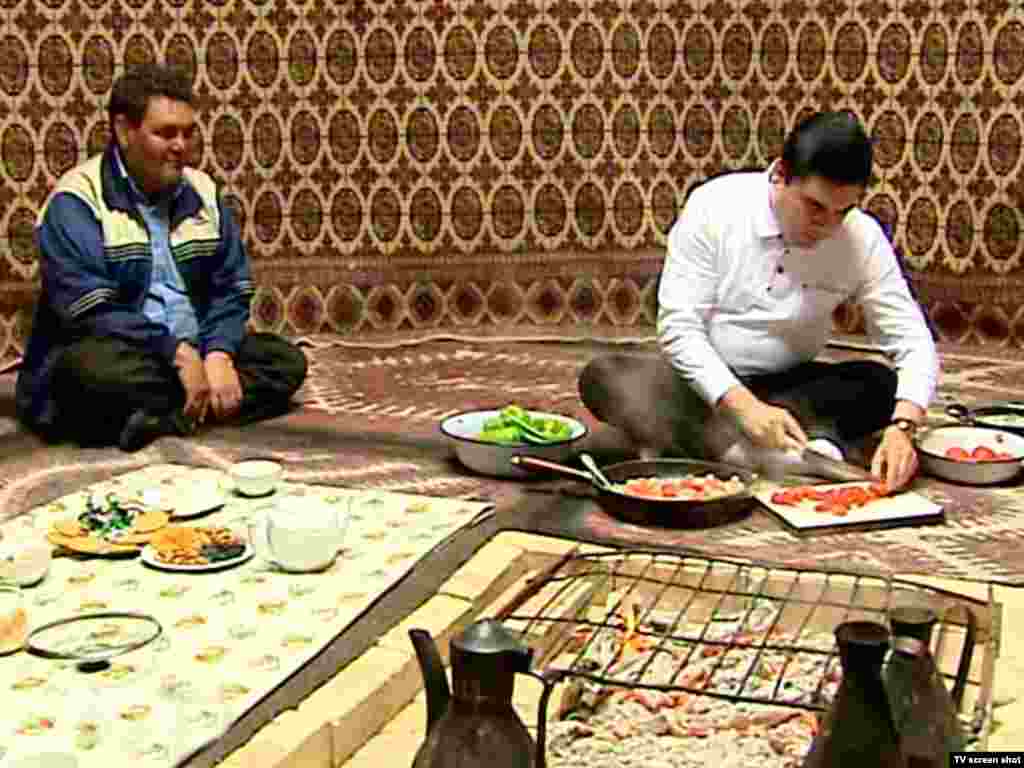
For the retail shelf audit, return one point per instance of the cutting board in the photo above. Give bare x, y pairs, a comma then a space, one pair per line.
900, 509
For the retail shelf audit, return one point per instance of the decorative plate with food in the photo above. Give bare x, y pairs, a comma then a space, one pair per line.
111, 525
196, 548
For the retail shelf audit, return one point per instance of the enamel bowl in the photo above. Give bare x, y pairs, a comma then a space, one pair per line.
933, 443
493, 459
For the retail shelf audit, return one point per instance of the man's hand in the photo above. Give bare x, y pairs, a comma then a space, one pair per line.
895, 459
225, 388
896, 455
193, 379
767, 426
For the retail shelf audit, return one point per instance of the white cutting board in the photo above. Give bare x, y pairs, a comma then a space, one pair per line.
905, 508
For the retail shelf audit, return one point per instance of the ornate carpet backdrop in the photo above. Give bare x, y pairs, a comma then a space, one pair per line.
486, 165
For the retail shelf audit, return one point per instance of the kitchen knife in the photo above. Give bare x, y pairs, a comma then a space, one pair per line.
820, 465
776, 466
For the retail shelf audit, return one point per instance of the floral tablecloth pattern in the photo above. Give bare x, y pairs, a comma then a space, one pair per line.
229, 637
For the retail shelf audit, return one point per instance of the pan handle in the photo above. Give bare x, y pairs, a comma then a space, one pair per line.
531, 462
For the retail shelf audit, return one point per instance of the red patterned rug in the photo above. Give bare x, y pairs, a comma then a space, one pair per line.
369, 416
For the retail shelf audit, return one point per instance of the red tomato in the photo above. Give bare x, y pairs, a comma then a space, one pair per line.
832, 508
983, 453
957, 453
1004, 456
854, 496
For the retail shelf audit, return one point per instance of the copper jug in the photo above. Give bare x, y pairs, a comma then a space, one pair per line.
474, 725
858, 730
924, 712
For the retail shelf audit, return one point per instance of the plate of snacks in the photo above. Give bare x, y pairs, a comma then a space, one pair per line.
110, 526
196, 549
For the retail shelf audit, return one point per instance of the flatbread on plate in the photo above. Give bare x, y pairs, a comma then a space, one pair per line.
90, 545
149, 521
70, 528
71, 535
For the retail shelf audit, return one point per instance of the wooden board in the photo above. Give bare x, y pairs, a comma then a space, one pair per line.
900, 509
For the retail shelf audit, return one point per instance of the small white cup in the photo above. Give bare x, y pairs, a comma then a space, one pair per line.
255, 477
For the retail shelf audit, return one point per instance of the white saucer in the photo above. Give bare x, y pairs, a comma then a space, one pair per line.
186, 507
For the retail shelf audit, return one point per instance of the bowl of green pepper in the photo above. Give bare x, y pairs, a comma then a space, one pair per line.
486, 440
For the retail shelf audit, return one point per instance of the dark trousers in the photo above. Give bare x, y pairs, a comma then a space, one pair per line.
99, 382
645, 397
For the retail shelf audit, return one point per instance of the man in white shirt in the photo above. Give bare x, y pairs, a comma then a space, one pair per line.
756, 264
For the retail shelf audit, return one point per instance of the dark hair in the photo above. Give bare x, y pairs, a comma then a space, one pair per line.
832, 145
132, 90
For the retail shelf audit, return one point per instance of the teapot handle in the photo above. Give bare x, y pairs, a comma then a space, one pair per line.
966, 654
548, 679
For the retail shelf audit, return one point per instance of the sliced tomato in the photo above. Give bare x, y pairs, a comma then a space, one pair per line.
983, 453
880, 489
957, 453
832, 508
669, 490
786, 498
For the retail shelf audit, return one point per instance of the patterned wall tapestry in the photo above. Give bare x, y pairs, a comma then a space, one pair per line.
495, 166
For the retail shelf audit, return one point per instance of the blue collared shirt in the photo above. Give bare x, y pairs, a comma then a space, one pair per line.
167, 301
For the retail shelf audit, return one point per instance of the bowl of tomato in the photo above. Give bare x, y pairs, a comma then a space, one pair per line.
971, 455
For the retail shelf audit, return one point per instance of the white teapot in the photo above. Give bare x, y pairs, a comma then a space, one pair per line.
299, 534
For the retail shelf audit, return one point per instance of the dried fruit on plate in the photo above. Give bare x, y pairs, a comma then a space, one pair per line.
187, 545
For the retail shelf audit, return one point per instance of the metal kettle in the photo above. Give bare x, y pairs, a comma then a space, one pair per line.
925, 713
474, 724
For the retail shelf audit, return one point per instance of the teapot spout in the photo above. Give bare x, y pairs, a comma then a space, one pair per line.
435, 682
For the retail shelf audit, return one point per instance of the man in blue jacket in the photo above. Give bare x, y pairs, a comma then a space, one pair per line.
140, 330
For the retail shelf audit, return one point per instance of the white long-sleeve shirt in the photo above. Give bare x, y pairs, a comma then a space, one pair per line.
735, 301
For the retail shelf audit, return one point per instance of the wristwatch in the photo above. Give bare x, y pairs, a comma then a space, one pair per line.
908, 426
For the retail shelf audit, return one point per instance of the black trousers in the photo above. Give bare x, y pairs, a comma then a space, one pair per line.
645, 397
99, 382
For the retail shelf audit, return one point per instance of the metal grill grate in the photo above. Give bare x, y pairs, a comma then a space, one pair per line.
714, 627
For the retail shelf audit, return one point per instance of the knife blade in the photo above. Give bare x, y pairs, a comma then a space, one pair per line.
819, 464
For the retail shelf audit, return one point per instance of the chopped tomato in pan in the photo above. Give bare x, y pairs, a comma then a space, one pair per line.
683, 488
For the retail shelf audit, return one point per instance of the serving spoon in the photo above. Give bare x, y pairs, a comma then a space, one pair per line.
595, 472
